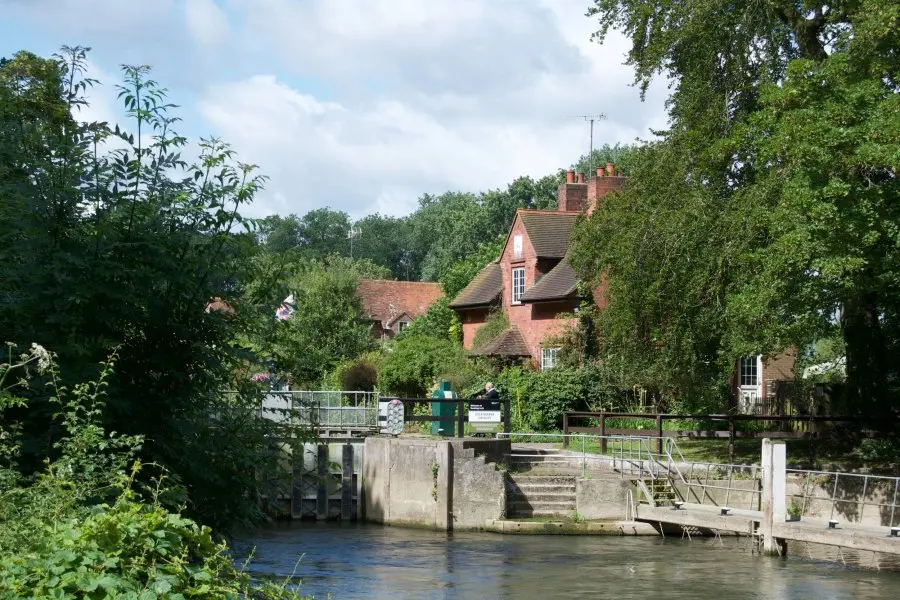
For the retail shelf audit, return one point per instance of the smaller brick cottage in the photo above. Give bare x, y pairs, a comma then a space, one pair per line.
392, 305
534, 284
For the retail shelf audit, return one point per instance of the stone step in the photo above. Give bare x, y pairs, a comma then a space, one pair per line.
524, 514
535, 451
540, 488
530, 480
519, 506
548, 497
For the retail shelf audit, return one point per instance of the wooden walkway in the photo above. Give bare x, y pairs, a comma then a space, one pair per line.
745, 522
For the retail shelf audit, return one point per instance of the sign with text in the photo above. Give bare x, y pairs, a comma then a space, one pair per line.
484, 414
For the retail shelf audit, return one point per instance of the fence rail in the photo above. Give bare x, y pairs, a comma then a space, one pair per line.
459, 412
798, 426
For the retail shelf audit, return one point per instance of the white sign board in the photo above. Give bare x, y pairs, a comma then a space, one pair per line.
484, 416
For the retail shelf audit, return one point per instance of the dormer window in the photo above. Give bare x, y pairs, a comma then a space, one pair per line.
517, 247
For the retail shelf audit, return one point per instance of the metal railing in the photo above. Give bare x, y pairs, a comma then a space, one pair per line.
323, 408
847, 495
640, 457
702, 478
627, 455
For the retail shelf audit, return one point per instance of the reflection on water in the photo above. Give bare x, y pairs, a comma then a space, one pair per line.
345, 561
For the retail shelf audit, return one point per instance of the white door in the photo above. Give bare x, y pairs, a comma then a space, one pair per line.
750, 384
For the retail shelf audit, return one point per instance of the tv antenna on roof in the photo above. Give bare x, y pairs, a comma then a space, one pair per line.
590, 119
353, 233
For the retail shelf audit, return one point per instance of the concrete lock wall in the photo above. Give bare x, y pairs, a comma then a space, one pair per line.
478, 493
602, 498
437, 484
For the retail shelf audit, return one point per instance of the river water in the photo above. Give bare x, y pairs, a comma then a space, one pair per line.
343, 561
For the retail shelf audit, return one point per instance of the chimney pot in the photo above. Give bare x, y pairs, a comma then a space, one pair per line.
570, 176
610, 169
581, 178
601, 172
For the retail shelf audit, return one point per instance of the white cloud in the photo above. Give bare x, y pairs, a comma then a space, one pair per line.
206, 22
364, 106
424, 97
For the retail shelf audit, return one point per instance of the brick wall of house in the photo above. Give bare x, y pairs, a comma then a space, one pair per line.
544, 323
534, 321
779, 367
472, 320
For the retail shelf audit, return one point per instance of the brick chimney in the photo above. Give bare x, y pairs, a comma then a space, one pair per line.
606, 182
573, 194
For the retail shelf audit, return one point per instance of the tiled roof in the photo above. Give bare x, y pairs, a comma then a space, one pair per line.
560, 282
385, 300
508, 343
482, 290
548, 231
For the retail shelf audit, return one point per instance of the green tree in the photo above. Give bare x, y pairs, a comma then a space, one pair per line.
386, 241
323, 232
326, 328
279, 234
768, 207
125, 248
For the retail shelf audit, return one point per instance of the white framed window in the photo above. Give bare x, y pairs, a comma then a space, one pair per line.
549, 357
749, 371
517, 247
403, 325
518, 284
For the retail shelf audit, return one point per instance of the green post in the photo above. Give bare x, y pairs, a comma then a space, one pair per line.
443, 409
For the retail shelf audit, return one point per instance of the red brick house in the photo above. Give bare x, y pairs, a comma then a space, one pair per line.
533, 283
393, 305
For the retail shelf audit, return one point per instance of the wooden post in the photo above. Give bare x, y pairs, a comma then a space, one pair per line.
565, 430
602, 434
659, 434
346, 482
460, 418
730, 440
773, 492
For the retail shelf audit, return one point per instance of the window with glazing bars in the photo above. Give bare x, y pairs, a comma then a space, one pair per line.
518, 285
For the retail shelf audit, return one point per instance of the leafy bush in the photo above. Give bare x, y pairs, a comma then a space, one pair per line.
360, 374
439, 321
412, 364
84, 528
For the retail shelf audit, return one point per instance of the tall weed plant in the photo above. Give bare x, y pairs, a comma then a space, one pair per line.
84, 527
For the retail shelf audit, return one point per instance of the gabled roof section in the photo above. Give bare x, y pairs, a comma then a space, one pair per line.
385, 300
482, 290
509, 343
561, 282
548, 231
400, 317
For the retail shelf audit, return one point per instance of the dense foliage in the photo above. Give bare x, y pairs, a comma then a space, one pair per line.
765, 217
84, 526
109, 239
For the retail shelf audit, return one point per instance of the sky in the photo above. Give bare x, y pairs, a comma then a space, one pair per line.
362, 105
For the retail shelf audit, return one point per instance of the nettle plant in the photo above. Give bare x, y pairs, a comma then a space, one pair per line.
84, 527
